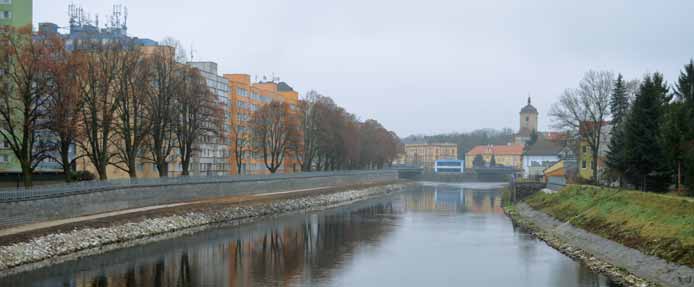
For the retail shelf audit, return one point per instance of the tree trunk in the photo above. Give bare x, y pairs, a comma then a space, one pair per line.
163, 168
101, 169
26, 175
132, 167
185, 164
594, 164
67, 169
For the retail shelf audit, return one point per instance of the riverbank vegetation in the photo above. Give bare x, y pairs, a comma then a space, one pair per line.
641, 129
656, 224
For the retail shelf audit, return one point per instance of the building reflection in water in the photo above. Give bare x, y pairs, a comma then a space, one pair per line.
278, 252
454, 198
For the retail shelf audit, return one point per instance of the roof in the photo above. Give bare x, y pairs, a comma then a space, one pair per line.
543, 147
528, 109
284, 87
514, 149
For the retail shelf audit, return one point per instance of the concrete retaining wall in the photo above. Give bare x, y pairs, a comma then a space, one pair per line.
31, 211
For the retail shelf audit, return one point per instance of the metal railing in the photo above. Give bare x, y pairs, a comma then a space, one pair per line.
67, 189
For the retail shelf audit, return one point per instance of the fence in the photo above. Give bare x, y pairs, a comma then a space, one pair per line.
24, 206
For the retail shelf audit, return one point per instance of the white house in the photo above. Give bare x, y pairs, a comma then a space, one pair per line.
538, 157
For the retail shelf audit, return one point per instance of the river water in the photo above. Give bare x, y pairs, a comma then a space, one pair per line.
433, 235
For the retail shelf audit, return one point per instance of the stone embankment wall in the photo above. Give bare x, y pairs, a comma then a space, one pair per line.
525, 189
603, 255
124, 197
55, 248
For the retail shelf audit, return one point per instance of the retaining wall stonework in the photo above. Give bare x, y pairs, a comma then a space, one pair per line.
648, 267
38, 210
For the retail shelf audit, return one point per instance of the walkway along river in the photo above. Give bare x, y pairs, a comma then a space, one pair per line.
434, 235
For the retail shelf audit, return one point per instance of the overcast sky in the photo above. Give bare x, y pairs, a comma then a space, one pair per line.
420, 66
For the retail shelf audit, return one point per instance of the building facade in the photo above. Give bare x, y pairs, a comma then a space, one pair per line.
245, 98
510, 155
449, 166
528, 124
425, 155
539, 156
16, 13
211, 156
585, 153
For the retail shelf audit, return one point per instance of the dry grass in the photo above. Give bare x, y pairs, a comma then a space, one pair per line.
661, 225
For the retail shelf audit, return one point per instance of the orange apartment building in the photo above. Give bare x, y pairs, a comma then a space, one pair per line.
246, 97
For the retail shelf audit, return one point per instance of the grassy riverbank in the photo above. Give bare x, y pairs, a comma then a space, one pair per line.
656, 224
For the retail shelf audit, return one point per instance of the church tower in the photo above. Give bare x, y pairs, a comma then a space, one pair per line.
528, 120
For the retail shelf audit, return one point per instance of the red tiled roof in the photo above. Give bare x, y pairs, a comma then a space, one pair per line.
515, 149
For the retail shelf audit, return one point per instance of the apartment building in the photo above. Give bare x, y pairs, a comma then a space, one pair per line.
212, 152
247, 97
17, 13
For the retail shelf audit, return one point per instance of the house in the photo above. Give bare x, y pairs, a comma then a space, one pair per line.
560, 173
449, 166
585, 152
509, 155
539, 156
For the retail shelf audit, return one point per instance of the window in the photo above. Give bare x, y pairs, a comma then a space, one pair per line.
527, 119
583, 164
6, 2
585, 149
4, 15
4, 158
241, 92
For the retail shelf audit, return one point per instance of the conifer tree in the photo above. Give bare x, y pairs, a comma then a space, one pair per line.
619, 106
644, 155
684, 114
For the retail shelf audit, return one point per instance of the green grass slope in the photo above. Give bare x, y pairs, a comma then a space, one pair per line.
656, 224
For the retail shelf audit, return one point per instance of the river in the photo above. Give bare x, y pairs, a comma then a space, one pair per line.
433, 235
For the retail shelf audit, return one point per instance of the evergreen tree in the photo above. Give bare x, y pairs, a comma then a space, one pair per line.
533, 138
684, 114
619, 106
644, 155
619, 102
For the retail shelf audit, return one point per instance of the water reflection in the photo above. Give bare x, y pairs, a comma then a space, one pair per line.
434, 235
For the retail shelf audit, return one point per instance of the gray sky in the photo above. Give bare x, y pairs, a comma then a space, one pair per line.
420, 66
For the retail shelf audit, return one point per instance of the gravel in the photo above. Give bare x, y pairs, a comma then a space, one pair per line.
50, 247
624, 265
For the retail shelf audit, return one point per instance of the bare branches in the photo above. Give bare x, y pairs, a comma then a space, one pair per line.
585, 110
274, 129
24, 96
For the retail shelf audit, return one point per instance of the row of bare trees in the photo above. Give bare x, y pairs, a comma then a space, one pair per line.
119, 104
317, 134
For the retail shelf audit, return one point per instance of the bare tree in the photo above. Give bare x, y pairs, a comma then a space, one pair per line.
240, 137
196, 114
64, 103
24, 97
98, 84
585, 110
306, 150
133, 86
160, 104
274, 130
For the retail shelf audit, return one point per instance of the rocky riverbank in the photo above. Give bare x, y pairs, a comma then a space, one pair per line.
623, 265
59, 247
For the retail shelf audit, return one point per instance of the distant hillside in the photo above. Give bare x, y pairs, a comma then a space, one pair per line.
465, 141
